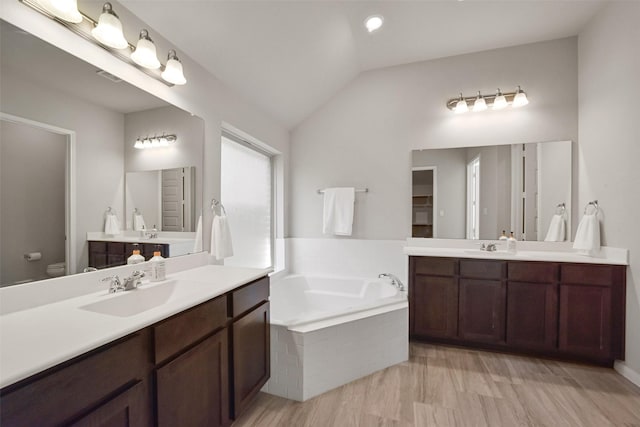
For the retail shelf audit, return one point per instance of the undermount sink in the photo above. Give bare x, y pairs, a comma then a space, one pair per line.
130, 303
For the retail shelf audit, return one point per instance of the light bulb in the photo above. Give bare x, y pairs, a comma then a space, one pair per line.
109, 29
373, 23
67, 10
139, 145
499, 102
479, 104
145, 53
173, 70
147, 143
520, 99
461, 106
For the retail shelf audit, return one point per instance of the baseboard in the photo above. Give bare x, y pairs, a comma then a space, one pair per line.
624, 370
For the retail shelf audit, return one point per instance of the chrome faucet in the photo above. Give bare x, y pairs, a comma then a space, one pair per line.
394, 280
115, 285
153, 234
491, 247
133, 281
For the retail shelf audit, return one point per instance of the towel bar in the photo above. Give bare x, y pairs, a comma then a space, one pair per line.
357, 190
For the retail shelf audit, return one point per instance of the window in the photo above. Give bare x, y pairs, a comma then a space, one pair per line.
247, 195
473, 199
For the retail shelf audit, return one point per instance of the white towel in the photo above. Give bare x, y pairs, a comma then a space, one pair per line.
587, 239
337, 213
138, 222
556, 232
221, 246
197, 244
111, 225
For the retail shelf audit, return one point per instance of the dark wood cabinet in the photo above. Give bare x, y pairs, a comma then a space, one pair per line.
481, 310
434, 304
195, 368
112, 254
532, 305
251, 356
193, 388
565, 310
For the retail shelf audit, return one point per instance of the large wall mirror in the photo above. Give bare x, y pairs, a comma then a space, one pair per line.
477, 192
68, 159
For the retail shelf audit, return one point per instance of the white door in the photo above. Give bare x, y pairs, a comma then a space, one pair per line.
172, 199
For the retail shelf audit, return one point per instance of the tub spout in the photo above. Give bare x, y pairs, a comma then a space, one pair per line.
394, 280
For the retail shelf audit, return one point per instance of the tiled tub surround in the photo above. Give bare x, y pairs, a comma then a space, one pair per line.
43, 325
326, 332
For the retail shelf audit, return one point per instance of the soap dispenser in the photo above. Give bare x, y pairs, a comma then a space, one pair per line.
511, 244
135, 257
504, 235
158, 268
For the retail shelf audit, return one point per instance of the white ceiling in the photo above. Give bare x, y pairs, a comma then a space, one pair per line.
290, 57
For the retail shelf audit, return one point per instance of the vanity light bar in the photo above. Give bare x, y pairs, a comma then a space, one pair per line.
84, 29
480, 102
155, 141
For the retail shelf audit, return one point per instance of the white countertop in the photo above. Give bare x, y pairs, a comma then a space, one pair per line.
531, 251
41, 337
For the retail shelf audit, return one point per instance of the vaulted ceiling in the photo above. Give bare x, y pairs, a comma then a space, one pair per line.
290, 57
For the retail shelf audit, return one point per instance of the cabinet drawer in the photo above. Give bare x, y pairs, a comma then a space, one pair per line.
183, 329
83, 384
249, 296
435, 266
481, 269
536, 272
584, 274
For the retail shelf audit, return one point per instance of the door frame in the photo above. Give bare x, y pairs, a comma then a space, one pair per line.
70, 183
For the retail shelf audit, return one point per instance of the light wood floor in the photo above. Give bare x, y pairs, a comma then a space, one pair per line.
444, 386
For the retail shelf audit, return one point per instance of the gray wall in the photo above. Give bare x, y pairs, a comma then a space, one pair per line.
364, 135
609, 144
32, 196
99, 158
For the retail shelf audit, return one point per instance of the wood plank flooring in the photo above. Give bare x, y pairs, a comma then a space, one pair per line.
445, 386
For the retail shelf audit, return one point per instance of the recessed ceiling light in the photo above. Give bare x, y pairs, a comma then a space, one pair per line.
373, 23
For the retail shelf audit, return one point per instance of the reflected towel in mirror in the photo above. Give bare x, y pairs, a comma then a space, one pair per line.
221, 246
337, 212
556, 232
138, 222
111, 224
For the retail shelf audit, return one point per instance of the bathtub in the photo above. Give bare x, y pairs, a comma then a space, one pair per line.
328, 331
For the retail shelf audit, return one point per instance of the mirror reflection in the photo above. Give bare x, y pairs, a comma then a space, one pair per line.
479, 192
68, 132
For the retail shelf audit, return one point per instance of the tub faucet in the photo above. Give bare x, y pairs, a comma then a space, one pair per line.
394, 280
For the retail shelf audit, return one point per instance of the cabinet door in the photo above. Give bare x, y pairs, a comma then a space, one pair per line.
532, 315
125, 410
585, 320
251, 361
193, 389
482, 310
434, 307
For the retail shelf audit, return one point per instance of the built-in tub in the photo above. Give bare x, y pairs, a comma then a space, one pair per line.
328, 331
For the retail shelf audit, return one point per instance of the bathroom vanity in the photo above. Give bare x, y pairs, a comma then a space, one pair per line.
197, 358
568, 310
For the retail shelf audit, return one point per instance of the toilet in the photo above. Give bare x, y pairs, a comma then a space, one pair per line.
56, 270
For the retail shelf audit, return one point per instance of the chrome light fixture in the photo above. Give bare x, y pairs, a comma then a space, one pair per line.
109, 29
155, 141
499, 102
173, 70
67, 10
481, 102
461, 106
107, 33
520, 99
145, 53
